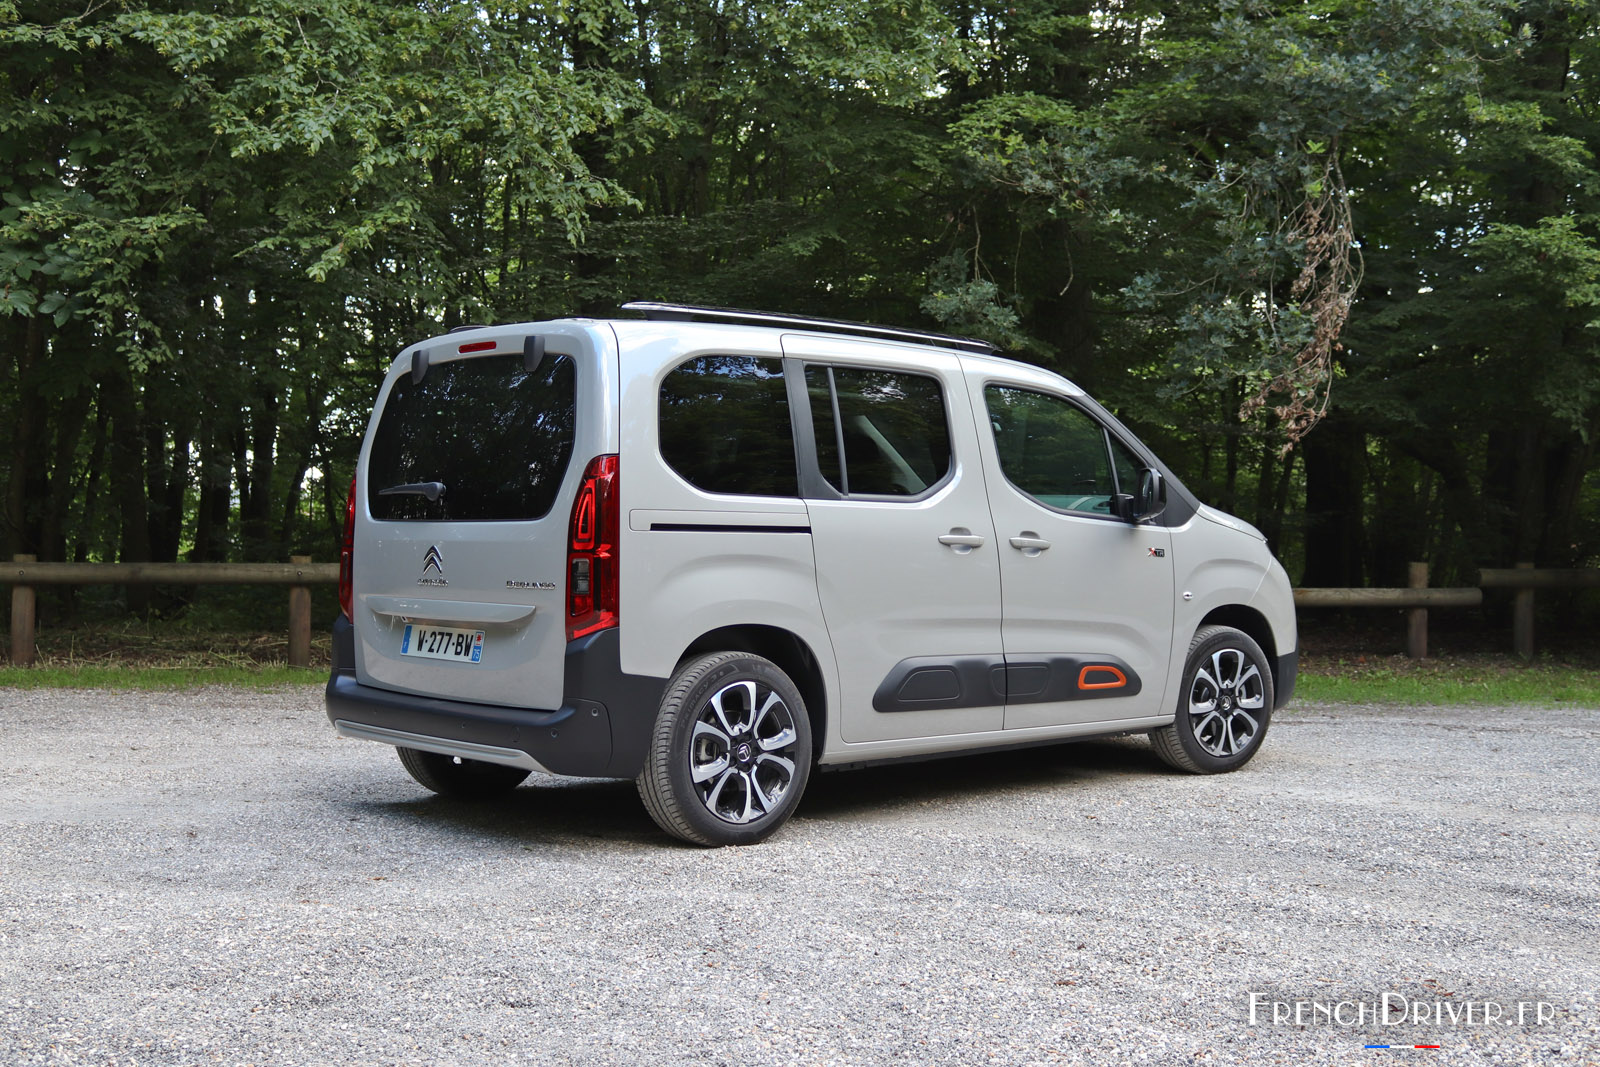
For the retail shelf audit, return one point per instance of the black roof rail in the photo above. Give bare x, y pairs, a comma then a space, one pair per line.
659, 312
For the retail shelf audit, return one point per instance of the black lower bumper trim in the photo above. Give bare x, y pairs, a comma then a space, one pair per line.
601, 730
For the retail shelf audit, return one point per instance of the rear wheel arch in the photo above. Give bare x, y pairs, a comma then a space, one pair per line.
786, 650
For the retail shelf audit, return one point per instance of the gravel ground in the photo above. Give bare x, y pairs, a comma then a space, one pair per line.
214, 877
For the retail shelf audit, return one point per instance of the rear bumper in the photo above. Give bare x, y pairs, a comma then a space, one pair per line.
601, 730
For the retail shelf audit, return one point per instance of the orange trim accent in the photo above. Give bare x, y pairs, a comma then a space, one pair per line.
1083, 683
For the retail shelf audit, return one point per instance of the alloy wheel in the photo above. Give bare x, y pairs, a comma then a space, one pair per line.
1226, 698
742, 752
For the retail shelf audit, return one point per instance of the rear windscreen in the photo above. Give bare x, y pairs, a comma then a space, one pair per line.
489, 440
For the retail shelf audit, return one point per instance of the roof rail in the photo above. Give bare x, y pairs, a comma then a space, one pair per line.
658, 312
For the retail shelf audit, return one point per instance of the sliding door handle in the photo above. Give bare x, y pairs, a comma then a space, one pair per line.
961, 539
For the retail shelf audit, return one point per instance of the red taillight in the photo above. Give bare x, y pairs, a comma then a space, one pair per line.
346, 554
593, 593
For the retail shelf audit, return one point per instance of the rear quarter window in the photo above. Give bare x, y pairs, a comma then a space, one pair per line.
725, 428
498, 438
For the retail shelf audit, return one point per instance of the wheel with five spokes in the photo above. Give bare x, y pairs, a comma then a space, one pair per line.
731, 751
1224, 704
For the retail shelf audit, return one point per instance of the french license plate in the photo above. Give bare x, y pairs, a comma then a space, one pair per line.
442, 642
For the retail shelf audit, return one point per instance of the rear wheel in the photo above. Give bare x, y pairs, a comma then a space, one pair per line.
731, 752
465, 779
1223, 706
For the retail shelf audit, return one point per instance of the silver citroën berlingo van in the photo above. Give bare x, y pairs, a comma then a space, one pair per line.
710, 549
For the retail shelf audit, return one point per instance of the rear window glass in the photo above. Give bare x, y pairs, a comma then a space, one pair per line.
497, 438
725, 426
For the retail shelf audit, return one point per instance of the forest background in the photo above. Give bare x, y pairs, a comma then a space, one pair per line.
1335, 261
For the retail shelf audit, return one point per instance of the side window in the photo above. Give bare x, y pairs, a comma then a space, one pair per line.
1051, 450
724, 425
878, 433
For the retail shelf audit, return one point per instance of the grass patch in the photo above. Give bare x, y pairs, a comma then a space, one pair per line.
164, 655
1485, 679
263, 676
167, 655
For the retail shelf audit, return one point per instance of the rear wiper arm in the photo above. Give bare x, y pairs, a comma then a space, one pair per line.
432, 490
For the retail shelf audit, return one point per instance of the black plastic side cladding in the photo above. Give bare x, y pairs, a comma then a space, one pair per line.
594, 676
1288, 670
939, 683
344, 645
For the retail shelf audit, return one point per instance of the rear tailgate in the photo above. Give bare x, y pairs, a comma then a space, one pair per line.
469, 470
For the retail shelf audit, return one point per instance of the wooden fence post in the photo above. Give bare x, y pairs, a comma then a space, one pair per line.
299, 620
1417, 618
1522, 618
23, 606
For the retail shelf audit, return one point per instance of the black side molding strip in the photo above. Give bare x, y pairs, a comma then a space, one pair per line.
709, 527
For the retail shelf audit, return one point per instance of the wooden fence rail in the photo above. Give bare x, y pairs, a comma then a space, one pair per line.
1388, 598
299, 574
1419, 598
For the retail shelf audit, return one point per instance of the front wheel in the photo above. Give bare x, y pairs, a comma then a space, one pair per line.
1223, 706
731, 751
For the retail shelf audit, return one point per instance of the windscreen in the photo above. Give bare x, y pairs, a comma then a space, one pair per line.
476, 440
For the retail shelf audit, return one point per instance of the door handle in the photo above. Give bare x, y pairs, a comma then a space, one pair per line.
1030, 543
961, 539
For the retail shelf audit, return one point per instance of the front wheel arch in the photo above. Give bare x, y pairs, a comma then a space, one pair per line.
1252, 622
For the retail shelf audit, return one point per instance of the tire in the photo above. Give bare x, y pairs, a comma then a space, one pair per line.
1224, 704
463, 779
731, 751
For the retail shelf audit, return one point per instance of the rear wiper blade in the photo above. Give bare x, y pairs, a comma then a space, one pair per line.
432, 490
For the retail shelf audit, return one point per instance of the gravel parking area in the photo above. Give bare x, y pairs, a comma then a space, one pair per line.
214, 877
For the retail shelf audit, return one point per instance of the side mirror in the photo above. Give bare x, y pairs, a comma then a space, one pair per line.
1151, 499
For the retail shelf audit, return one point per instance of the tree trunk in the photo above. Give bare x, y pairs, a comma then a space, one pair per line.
71, 418
92, 482
1566, 466
25, 486
1267, 518
211, 515
1334, 459
128, 477
256, 524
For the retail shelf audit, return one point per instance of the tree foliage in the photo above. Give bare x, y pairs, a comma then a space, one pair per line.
1335, 259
